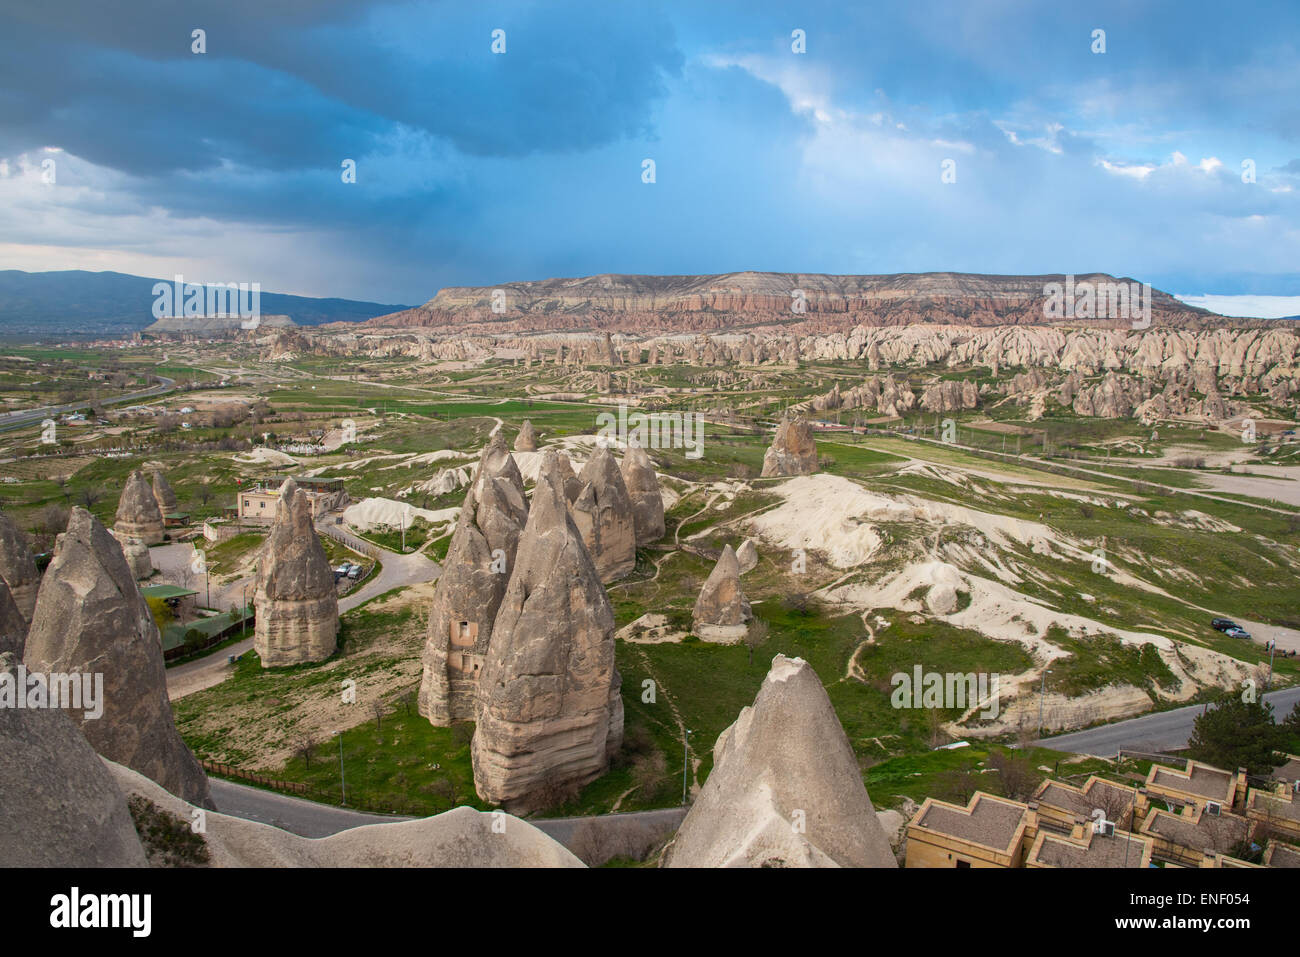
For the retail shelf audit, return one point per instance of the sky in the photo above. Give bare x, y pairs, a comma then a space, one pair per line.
995, 137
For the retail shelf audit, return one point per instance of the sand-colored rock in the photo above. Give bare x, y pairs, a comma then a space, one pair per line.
91, 619
137, 556
17, 567
785, 790
59, 805
642, 484
474, 576
603, 515
721, 611
13, 626
459, 838
163, 495
138, 515
550, 714
526, 440
295, 599
793, 451
747, 556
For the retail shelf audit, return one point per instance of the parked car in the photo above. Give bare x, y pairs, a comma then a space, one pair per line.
355, 572
1235, 632
1223, 624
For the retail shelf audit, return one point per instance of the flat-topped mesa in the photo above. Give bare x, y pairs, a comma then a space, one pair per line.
163, 495
550, 714
469, 590
785, 790
295, 599
13, 626
138, 515
793, 451
91, 620
643, 489
17, 567
526, 440
722, 612
603, 514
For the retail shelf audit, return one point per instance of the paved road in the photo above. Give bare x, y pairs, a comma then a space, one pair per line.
16, 420
1163, 731
309, 819
396, 571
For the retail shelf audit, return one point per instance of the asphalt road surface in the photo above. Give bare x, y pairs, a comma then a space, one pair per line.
16, 420
1163, 731
309, 819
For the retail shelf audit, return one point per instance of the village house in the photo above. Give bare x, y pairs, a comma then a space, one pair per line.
988, 832
1197, 786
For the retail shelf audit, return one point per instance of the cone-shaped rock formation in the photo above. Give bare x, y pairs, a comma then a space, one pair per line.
295, 599
785, 789
550, 715
469, 591
643, 489
163, 495
526, 440
13, 626
17, 567
793, 451
138, 515
721, 611
91, 621
603, 514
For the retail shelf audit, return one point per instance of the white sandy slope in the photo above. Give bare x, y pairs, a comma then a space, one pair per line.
264, 456
373, 512
461, 837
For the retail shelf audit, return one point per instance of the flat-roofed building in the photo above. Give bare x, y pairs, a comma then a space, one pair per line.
1280, 854
1086, 846
1189, 838
1197, 785
988, 832
1277, 813
256, 503
1060, 803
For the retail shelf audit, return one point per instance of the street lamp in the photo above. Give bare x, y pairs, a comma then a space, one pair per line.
1042, 691
686, 759
343, 781
244, 609
1272, 647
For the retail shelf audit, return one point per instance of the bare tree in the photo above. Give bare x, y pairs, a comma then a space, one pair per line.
378, 710
1017, 774
305, 747
89, 495
755, 635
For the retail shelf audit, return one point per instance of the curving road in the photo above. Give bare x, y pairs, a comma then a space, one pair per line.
16, 420
1162, 731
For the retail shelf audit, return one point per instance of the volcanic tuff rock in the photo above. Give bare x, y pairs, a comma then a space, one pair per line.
469, 590
526, 440
13, 626
138, 515
747, 556
17, 567
707, 303
643, 489
61, 807
550, 715
163, 495
722, 610
137, 556
461, 837
950, 396
295, 599
571, 484
92, 620
793, 451
785, 762
603, 515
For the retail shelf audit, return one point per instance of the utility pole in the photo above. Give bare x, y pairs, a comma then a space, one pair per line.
343, 782
1272, 647
686, 759
1042, 692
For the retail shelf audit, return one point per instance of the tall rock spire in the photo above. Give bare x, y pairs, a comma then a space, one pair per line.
550, 714
138, 515
91, 620
17, 567
470, 588
793, 451
721, 611
295, 598
603, 514
643, 489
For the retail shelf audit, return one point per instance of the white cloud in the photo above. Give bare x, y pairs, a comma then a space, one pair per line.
1246, 307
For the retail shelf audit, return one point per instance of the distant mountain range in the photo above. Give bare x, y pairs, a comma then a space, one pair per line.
97, 304
811, 302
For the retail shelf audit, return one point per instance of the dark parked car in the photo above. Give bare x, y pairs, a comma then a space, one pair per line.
1223, 624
